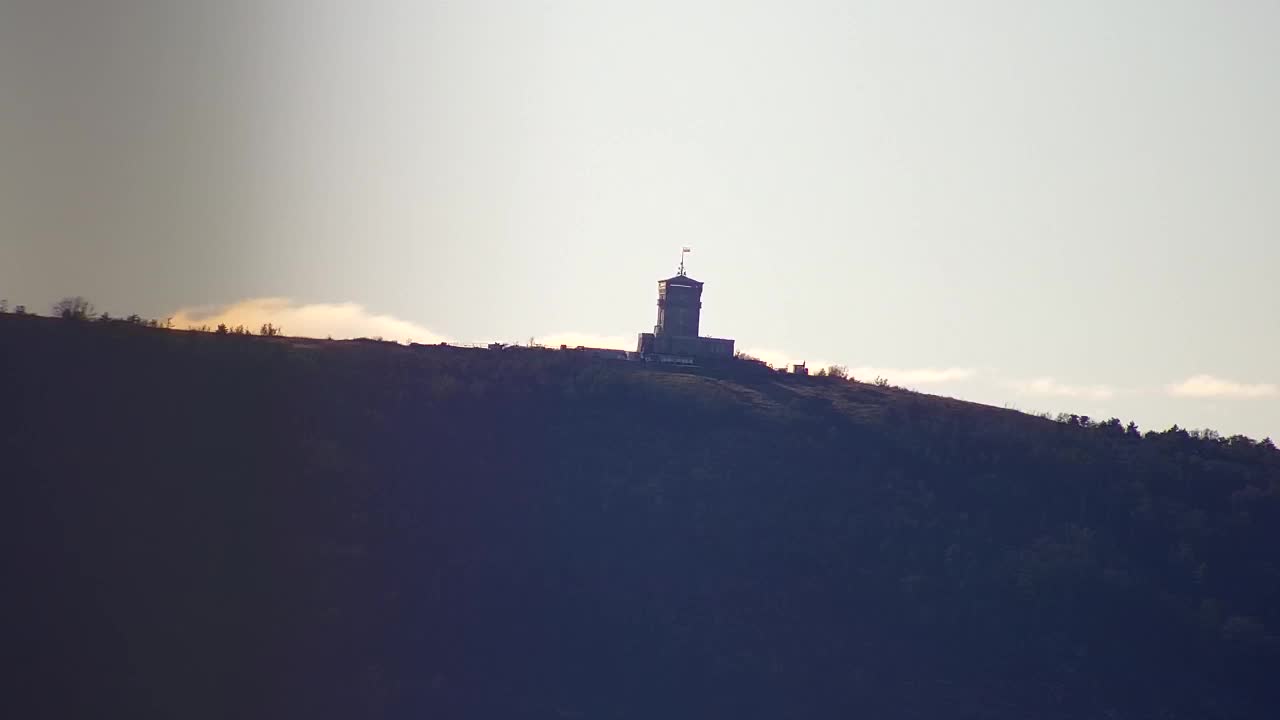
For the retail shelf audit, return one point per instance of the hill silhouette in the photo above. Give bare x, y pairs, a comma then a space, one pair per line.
211, 526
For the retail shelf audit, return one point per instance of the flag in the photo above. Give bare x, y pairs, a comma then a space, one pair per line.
686, 249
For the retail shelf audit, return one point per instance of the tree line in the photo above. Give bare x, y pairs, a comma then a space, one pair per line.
79, 309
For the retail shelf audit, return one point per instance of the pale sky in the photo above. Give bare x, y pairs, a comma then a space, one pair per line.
1064, 206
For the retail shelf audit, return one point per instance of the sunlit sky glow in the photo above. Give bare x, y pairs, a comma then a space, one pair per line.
1056, 206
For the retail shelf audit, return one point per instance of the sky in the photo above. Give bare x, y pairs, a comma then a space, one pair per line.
1056, 206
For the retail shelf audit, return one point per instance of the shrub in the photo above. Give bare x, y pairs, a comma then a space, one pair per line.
73, 308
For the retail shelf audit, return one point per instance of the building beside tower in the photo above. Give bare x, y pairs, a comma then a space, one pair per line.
679, 315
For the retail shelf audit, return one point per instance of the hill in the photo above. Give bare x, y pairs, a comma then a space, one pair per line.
232, 526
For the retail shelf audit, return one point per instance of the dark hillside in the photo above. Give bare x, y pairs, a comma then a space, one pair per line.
208, 526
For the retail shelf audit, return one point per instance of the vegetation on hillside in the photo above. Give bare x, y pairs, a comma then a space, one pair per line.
215, 526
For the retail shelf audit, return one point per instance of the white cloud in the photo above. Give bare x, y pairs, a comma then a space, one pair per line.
1202, 386
318, 320
913, 376
1047, 386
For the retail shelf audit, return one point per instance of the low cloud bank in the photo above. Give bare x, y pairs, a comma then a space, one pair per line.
913, 376
1208, 386
1048, 387
340, 321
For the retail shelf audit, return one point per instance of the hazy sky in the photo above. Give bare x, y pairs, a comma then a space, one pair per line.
1059, 206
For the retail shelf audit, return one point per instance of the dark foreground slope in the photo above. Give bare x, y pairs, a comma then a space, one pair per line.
206, 526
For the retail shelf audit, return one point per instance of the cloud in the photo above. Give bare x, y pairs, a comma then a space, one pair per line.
913, 376
1047, 386
318, 320
1203, 386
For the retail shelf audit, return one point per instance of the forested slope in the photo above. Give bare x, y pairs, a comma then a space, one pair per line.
210, 526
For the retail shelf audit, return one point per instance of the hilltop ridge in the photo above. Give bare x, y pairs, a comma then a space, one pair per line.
209, 526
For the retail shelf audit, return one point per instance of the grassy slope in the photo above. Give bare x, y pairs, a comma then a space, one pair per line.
214, 526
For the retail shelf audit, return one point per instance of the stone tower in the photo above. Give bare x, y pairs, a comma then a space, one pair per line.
675, 337
679, 306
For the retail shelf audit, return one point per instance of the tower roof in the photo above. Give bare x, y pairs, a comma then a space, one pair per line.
680, 280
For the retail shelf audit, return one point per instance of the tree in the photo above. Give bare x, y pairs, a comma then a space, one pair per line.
269, 330
1111, 426
838, 371
73, 308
